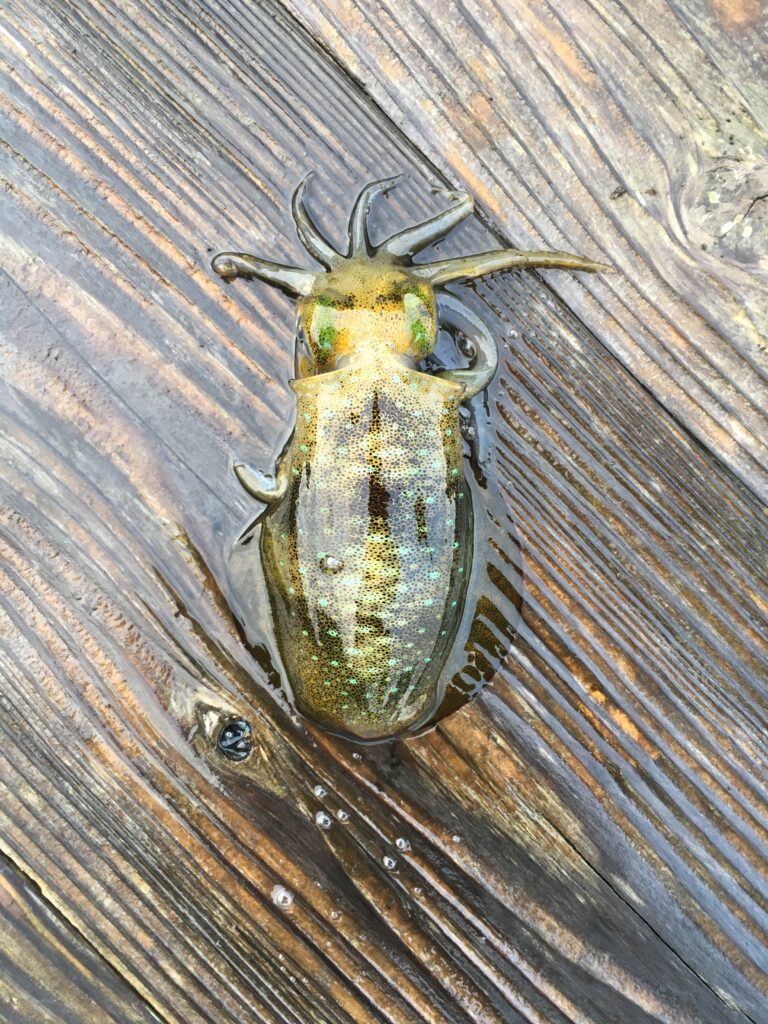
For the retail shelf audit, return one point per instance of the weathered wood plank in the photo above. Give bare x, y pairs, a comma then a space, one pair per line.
607, 792
609, 129
47, 972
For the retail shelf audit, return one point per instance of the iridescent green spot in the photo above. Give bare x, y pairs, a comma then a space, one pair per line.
455, 545
323, 602
344, 693
449, 432
434, 575
344, 707
307, 417
460, 569
421, 630
326, 337
461, 494
352, 682
305, 632
391, 661
333, 632
335, 663
427, 660
302, 571
454, 472
303, 447
428, 601
326, 682
419, 336
393, 689
291, 590
454, 603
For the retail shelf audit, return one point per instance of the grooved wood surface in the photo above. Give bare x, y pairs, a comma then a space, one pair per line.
48, 972
586, 841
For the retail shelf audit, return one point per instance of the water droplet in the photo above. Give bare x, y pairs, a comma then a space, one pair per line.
342, 815
357, 757
281, 896
389, 862
456, 839
323, 819
320, 792
335, 915
512, 333
402, 844
331, 565
417, 890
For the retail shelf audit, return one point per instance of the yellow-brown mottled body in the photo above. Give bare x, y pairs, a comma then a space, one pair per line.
366, 544
367, 553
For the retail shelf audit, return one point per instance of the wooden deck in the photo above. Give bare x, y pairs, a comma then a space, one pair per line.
587, 839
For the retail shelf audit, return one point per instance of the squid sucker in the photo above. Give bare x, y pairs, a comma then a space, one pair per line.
366, 541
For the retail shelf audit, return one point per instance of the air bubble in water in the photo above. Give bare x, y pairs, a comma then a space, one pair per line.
456, 839
389, 862
402, 844
320, 792
342, 816
282, 897
323, 819
357, 757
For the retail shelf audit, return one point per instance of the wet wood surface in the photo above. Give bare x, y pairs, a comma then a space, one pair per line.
586, 841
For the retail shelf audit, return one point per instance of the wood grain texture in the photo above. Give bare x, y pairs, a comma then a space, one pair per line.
587, 840
634, 132
48, 972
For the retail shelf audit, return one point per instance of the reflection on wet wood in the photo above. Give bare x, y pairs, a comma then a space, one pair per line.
586, 841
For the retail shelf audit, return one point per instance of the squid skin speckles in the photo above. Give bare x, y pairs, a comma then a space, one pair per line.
367, 536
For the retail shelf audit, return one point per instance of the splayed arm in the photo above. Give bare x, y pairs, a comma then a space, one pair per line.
308, 232
413, 240
504, 259
243, 264
358, 222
